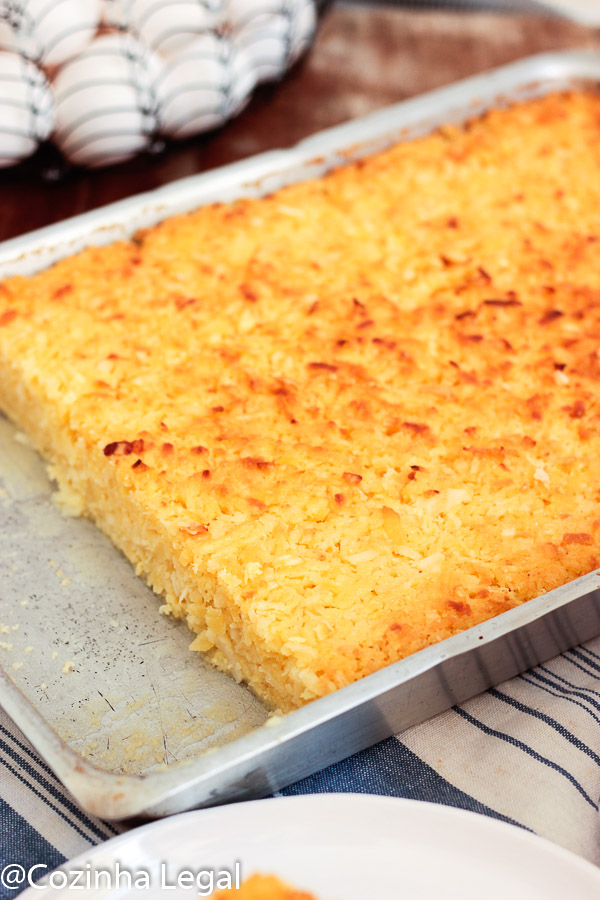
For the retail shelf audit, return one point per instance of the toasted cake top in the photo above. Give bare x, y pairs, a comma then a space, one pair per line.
367, 404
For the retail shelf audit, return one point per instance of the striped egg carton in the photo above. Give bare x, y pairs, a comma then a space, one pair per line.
110, 76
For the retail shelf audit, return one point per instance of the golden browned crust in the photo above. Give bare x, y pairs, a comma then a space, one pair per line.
341, 423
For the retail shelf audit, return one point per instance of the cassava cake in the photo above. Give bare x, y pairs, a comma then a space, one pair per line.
263, 887
343, 422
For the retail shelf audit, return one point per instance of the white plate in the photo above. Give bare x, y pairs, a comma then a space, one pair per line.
342, 847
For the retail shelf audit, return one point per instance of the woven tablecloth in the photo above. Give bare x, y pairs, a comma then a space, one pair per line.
527, 752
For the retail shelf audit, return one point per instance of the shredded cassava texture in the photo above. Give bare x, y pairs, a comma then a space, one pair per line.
340, 423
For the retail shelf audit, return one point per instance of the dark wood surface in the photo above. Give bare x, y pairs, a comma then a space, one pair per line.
365, 57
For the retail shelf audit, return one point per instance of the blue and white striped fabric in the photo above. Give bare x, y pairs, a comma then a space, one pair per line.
527, 752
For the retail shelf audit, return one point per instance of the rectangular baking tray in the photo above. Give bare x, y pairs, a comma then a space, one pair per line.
104, 687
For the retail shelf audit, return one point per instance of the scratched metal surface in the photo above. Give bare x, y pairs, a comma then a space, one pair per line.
82, 637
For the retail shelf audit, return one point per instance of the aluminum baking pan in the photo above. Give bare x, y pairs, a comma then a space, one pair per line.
105, 688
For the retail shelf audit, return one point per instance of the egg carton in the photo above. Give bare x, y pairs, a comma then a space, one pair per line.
103, 79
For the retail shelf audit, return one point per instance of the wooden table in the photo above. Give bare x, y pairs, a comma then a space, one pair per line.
365, 57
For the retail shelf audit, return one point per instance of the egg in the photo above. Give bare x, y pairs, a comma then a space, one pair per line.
240, 13
111, 13
273, 32
106, 101
49, 32
303, 26
168, 25
203, 85
174, 67
243, 80
26, 108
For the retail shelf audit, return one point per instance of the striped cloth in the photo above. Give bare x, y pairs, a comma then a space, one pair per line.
526, 752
